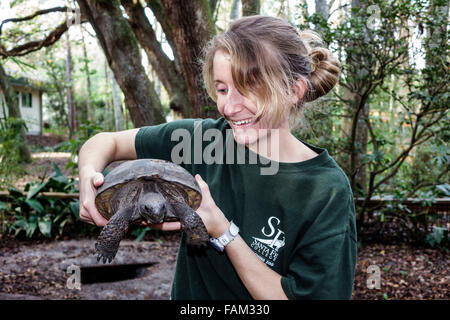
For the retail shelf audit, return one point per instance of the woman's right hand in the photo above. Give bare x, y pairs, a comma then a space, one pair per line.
95, 154
90, 181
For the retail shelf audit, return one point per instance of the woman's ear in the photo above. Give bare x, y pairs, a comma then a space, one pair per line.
299, 90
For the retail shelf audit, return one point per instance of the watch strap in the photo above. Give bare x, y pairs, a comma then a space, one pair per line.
221, 242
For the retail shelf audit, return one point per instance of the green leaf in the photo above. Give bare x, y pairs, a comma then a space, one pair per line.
142, 234
15, 193
438, 234
56, 171
36, 190
444, 188
36, 205
75, 208
45, 226
60, 178
29, 228
61, 226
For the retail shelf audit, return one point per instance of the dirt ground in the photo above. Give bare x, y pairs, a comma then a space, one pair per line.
405, 272
49, 270
38, 269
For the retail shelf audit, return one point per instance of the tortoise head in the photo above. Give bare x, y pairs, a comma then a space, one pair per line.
152, 205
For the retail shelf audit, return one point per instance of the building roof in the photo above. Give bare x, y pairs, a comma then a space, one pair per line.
27, 83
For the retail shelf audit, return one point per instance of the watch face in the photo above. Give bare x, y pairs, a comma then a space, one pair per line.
234, 230
224, 241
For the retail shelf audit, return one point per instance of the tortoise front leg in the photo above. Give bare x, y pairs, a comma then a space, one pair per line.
191, 224
114, 231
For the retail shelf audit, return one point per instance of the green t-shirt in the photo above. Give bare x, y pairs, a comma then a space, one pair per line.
299, 221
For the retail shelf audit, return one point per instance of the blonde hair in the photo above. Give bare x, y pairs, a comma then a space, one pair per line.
268, 55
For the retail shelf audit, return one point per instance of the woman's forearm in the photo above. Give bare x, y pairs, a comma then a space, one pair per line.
97, 152
261, 282
106, 147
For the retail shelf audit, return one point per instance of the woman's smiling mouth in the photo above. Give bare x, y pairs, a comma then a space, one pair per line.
242, 123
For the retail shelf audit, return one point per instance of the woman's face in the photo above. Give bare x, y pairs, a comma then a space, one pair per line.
238, 110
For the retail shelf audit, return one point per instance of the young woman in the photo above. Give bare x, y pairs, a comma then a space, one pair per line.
289, 234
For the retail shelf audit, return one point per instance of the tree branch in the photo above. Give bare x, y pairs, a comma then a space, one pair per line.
424, 184
160, 15
31, 46
165, 69
399, 161
35, 14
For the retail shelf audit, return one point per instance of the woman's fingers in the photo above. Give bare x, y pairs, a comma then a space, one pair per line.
88, 210
204, 188
165, 226
98, 179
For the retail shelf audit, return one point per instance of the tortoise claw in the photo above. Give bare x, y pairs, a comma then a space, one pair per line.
104, 254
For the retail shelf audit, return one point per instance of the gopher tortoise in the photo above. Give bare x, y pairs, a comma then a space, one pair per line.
149, 190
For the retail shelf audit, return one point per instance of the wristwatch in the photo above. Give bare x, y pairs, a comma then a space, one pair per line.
221, 242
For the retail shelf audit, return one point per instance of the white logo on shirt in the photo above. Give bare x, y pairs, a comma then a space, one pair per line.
267, 248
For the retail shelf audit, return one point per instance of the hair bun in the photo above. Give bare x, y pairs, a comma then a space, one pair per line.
325, 69
318, 56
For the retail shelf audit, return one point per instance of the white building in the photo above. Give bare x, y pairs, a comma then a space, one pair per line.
29, 98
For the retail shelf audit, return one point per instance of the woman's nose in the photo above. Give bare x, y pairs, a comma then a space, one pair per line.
234, 103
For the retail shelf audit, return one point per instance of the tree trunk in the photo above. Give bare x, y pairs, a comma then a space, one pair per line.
234, 12
322, 8
354, 127
251, 7
117, 105
359, 142
90, 115
165, 69
70, 105
14, 112
436, 34
122, 53
191, 27
304, 14
108, 101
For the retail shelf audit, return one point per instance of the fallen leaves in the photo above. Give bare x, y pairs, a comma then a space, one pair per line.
406, 272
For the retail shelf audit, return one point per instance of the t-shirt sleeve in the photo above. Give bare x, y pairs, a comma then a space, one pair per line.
324, 266
168, 141
181, 141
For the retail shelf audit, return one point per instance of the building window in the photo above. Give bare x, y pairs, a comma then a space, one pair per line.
17, 97
26, 100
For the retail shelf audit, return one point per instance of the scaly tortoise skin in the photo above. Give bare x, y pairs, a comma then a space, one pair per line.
148, 190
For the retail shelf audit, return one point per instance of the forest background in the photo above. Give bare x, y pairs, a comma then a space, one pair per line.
114, 65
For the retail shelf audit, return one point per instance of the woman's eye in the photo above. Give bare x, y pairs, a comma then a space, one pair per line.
221, 90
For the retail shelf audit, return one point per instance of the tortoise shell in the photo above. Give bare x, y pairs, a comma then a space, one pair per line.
172, 179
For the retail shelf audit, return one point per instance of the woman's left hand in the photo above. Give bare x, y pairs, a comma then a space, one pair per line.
215, 221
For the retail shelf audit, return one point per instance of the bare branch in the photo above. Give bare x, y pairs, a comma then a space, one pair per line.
31, 46
435, 182
35, 14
